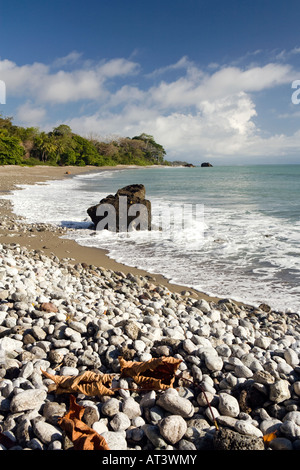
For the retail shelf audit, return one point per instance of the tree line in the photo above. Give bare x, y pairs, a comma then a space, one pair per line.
30, 146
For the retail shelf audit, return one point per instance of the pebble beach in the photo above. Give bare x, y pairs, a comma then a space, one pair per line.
66, 311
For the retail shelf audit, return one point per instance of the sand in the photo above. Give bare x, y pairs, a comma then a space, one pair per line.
51, 241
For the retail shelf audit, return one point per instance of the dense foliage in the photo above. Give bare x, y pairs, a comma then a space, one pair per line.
30, 146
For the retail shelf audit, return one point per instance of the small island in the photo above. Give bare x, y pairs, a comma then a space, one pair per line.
206, 164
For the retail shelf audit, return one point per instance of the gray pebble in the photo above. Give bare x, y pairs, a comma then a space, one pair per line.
172, 428
116, 440
131, 408
110, 407
46, 432
28, 400
172, 402
120, 422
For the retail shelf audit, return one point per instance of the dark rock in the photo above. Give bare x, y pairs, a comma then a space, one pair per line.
90, 416
250, 398
53, 411
205, 442
265, 308
127, 353
113, 212
23, 431
206, 164
244, 402
226, 439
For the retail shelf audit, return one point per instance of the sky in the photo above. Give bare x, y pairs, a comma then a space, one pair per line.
210, 80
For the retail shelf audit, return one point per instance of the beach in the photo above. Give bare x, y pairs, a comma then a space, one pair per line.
50, 241
152, 366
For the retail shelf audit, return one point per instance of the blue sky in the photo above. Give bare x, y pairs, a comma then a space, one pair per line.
209, 79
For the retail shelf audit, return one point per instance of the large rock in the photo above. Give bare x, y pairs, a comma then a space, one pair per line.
127, 210
226, 439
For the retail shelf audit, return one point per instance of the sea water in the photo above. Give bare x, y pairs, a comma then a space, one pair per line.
227, 231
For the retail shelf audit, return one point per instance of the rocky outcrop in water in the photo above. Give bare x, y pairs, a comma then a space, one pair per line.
127, 210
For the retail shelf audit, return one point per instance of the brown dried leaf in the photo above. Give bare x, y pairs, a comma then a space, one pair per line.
82, 436
89, 383
267, 438
155, 374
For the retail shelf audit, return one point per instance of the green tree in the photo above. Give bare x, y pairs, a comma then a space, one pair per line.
86, 152
27, 136
62, 130
63, 147
6, 123
154, 151
11, 152
67, 156
46, 146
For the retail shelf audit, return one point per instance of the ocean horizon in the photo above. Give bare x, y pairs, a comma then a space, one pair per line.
240, 238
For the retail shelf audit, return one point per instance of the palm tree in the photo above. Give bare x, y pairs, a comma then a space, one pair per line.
46, 145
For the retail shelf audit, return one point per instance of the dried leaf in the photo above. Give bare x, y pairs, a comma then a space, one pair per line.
82, 436
89, 383
155, 374
267, 438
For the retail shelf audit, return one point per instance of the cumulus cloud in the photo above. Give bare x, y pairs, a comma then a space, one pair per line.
197, 114
37, 81
22, 80
220, 127
228, 81
30, 115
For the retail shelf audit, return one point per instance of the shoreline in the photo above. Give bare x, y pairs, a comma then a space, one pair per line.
50, 241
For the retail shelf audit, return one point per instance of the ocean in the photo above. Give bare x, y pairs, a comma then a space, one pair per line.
228, 231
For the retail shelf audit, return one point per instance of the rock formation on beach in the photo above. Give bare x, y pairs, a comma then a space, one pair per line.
126, 210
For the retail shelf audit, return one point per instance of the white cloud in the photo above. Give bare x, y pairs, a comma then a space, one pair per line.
22, 80
116, 68
30, 115
183, 63
188, 91
65, 87
200, 114
36, 81
71, 58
